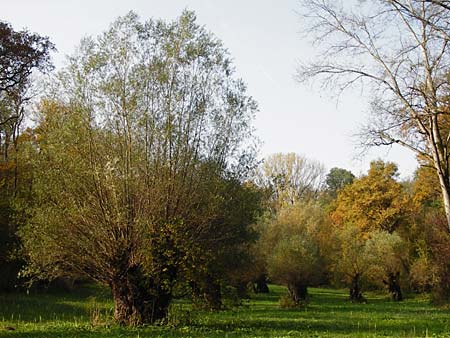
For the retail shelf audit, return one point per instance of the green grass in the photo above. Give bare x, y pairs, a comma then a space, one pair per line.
87, 313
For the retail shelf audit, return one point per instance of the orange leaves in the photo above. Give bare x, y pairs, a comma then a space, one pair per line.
373, 202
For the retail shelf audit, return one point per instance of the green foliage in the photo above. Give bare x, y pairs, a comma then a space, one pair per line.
336, 179
349, 259
140, 162
291, 243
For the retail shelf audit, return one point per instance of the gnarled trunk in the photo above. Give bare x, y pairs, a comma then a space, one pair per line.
355, 289
393, 284
135, 302
298, 292
260, 285
212, 294
207, 294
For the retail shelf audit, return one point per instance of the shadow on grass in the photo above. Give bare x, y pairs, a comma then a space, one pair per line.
52, 305
329, 314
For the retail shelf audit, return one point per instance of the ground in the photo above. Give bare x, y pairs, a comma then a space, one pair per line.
87, 313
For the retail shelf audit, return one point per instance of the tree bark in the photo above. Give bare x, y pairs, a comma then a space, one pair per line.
135, 303
212, 294
355, 289
445, 188
393, 285
298, 292
260, 285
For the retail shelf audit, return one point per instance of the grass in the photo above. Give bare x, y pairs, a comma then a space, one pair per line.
87, 313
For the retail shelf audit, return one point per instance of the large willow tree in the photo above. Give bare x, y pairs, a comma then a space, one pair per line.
139, 145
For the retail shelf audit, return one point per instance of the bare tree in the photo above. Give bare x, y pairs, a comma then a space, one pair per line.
399, 51
291, 177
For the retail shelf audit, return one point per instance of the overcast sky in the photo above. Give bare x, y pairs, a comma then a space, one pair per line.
264, 41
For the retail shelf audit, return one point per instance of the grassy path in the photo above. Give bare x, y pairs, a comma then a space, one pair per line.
87, 313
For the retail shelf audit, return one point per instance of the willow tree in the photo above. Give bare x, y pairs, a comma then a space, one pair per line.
399, 51
291, 243
137, 141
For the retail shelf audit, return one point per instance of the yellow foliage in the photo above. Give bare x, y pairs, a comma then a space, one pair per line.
375, 201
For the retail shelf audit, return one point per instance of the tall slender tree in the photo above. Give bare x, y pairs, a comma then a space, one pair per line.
399, 50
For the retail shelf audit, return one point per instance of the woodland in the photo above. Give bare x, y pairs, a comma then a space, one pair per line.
134, 201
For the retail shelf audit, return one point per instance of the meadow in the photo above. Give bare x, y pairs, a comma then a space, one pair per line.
87, 312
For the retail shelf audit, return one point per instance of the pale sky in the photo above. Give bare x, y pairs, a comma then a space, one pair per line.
263, 38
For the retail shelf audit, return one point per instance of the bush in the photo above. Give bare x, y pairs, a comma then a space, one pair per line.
286, 302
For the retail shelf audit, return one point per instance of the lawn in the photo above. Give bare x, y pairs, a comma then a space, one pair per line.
87, 313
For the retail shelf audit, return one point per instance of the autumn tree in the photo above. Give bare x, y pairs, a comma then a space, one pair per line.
398, 51
20, 53
426, 189
377, 257
375, 201
429, 271
142, 147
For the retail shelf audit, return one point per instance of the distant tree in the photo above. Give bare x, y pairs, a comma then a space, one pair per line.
430, 254
349, 260
430, 269
291, 178
387, 255
292, 248
378, 257
399, 50
375, 201
425, 189
141, 152
337, 179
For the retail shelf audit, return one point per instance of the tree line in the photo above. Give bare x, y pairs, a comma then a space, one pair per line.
367, 232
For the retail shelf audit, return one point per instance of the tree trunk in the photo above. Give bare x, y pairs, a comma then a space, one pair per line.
445, 188
136, 302
298, 292
212, 294
207, 294
355, 289
260, 285
393, 285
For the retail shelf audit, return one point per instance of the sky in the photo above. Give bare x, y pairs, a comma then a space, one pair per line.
264, 40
